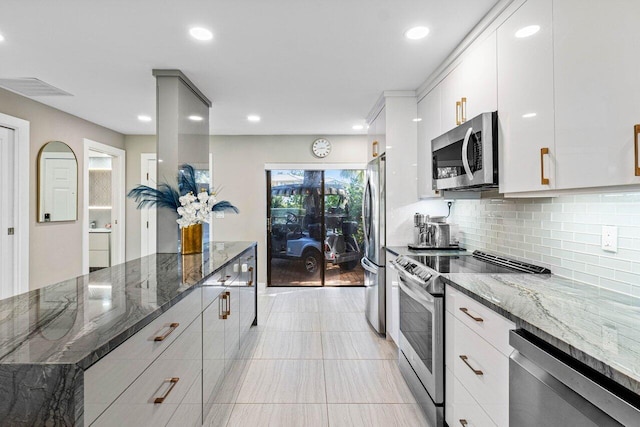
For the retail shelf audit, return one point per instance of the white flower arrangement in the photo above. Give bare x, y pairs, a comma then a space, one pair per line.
195, 209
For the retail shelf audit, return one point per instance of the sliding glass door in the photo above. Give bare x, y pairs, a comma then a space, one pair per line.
314, 227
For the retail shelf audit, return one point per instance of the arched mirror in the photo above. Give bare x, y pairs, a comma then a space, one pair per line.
57, 183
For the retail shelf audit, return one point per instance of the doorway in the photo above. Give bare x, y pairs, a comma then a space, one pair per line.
104, 204
314, 227
14, 206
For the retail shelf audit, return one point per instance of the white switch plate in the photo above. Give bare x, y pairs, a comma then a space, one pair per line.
220, 214
610, 238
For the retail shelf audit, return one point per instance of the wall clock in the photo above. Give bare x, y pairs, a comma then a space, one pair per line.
321, 147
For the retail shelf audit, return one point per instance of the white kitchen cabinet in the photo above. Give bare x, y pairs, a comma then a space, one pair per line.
596, 66
474, 79
525, 101
477, 362
428, 128
393, 301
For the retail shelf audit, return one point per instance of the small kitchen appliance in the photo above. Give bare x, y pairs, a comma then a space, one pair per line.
431, 233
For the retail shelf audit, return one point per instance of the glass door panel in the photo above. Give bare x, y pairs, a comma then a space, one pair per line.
344, 234
295, 228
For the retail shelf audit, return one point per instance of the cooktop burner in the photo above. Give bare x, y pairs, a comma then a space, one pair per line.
479, 262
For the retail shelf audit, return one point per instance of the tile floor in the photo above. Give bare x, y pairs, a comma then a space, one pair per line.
313, 360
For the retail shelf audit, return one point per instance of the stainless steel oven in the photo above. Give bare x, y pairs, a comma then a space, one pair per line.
466, 157
421, 355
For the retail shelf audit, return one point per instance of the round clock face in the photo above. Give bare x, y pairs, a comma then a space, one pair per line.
321, 147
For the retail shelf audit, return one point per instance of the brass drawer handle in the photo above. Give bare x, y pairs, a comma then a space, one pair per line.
250, 282
466, 311
228, 312
465, 360
458, 112
222, 305
172, 327
173, 382
464, 423
543, 180
636, 139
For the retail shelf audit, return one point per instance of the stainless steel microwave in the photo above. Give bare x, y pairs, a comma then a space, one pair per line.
466, 157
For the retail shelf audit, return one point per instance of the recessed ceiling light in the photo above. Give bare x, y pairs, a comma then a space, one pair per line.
417, 119
144, 118
1, 38
196, 118
253, 118
527, 31
416, 33
200, 33
529, 115
357, 127
160, 160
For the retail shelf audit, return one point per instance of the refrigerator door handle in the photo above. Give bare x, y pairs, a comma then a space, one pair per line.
366, 214
366, 264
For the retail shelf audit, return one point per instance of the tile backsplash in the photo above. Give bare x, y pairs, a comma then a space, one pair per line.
561, 233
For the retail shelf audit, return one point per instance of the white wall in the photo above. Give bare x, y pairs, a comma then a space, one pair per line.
563, 234
55, 248
239, 169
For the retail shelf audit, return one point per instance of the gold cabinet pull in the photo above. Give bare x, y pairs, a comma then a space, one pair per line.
250, 282
464, 423
465, 359
636, 139
172, 327
222, 312
543, 180
228, 312
374, 146
458, 112
466, 311
463, 109
173, 381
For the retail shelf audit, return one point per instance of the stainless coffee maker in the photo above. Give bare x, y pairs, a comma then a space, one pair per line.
430, 232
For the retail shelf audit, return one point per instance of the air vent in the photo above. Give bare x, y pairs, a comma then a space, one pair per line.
29, 86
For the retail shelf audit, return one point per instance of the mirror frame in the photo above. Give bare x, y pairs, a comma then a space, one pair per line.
39, 214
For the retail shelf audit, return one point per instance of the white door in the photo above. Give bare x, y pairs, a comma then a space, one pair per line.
60, 184
7, 214
148, 215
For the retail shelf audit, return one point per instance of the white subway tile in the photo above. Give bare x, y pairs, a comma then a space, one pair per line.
599, 271
623, 276
552, 243
552, 260
586, 278
590, 239
614, 285
586, 258
615, 264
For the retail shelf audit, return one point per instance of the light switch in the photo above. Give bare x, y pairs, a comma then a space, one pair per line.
610, 238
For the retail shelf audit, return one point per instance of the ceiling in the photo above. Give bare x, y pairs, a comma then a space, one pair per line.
304, 66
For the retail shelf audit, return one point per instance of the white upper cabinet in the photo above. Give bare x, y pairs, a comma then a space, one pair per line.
473, 83
597, 91
428, 129
525, 99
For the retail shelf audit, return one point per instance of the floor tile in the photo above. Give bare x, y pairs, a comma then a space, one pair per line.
338, 305
297, 304
218, 415
300, 322
396, 415
283, 381
279, 415
357, 345
288, 345
365, 381
344, 322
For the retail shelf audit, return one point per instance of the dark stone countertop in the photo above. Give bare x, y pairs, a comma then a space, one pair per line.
598, 327
78, 321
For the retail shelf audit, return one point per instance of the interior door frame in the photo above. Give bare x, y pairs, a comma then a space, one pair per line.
22, 198
269, 167
145, 231
118, 194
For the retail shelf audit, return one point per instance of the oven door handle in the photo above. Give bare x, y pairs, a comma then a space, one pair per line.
424, 298
465, 158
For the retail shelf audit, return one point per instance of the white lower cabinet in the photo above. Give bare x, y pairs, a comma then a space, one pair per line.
392, 293
477, 363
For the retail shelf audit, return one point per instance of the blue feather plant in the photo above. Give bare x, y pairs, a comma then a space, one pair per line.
166, 196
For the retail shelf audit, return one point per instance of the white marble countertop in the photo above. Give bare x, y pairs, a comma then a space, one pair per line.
600, 328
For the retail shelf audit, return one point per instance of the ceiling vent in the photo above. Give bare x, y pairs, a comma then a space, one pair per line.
29, 86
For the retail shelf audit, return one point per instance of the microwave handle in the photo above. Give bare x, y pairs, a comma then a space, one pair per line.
465, 158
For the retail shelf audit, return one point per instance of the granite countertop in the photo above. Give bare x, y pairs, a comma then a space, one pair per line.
80, 320
600, 328
404, 250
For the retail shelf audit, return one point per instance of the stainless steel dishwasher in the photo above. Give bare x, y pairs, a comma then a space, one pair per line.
549, 388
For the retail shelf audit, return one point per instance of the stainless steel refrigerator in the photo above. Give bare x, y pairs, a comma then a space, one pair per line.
373, 213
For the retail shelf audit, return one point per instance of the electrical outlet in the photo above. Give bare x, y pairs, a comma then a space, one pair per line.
610, 238
610, 338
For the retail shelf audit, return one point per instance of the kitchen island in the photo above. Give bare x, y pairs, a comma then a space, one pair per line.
53, 337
